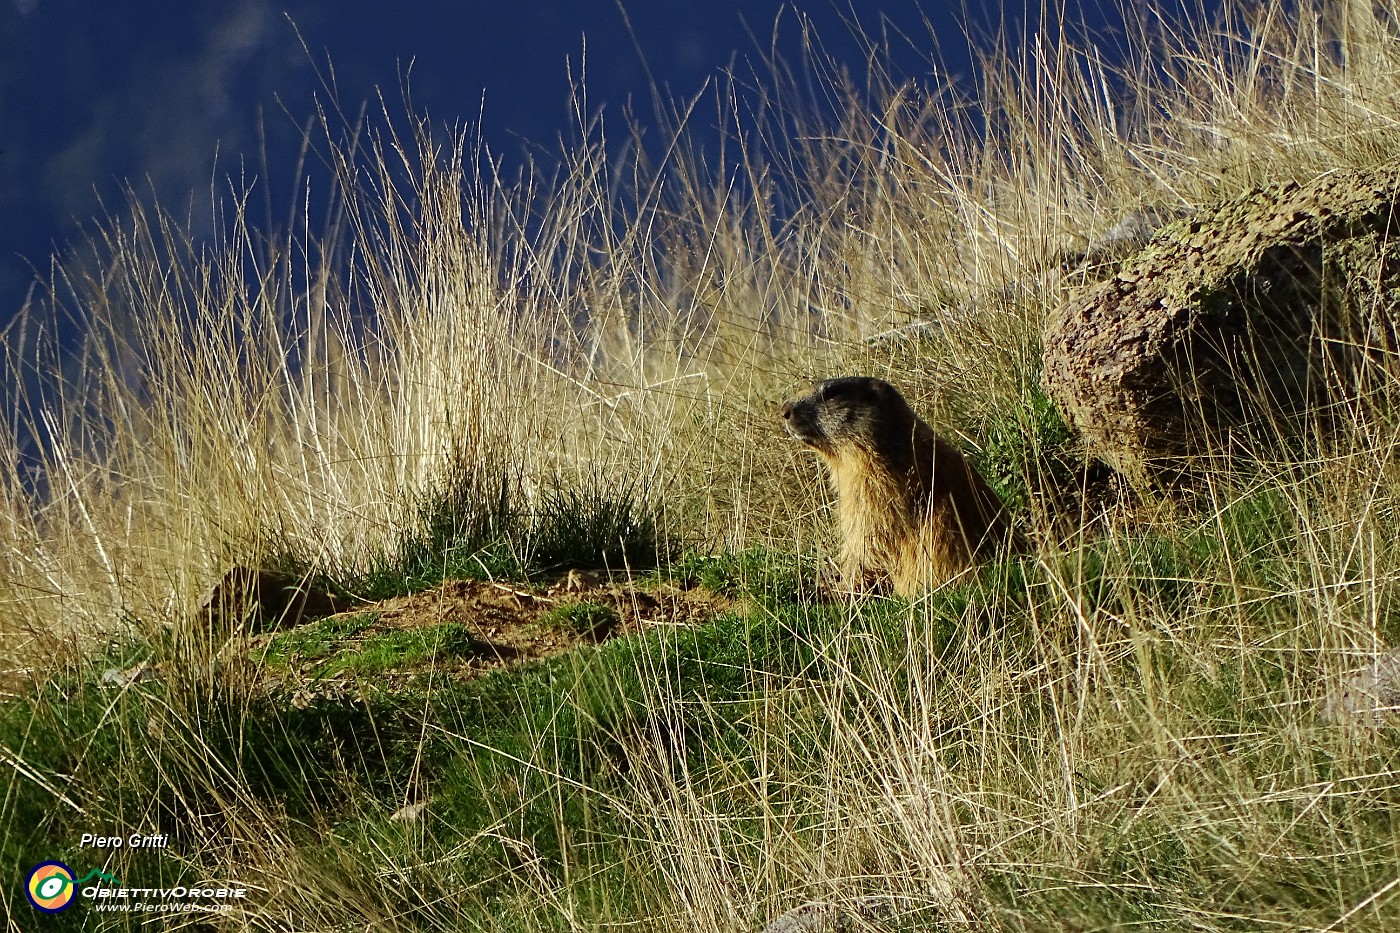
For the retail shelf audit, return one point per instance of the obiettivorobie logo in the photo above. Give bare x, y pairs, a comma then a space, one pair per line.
51, 887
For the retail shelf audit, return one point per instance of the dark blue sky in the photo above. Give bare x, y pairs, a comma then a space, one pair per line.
96, 93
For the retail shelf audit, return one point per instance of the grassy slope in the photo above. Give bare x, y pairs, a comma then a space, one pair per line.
1120, 732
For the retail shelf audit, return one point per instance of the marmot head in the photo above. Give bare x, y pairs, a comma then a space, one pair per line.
856, 410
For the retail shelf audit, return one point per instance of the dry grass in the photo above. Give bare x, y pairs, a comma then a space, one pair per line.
1124, 734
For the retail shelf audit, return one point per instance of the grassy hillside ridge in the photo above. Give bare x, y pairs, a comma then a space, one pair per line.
611, 318
458, 375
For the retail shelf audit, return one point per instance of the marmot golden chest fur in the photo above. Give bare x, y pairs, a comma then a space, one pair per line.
913, 511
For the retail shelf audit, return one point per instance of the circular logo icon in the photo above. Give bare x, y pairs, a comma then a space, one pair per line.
50, 887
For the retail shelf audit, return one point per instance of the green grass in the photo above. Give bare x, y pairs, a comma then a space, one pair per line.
410, 649
315, 641
326, 647
534, 777
584, 618
761, 573
582, 718
1029, 447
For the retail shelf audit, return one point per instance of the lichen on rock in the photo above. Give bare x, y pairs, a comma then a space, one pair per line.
1248, 319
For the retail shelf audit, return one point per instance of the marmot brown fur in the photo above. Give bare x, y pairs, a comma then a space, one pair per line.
913, 511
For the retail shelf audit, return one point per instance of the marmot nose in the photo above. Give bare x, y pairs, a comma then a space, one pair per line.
787, 411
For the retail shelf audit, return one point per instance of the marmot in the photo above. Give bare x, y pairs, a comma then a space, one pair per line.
913, 511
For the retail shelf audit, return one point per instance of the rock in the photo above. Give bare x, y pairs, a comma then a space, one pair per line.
278, 599
1232, 324
116, 677
1130, 234
579, 580
1370, 696
411, 813
816, 917
827, 917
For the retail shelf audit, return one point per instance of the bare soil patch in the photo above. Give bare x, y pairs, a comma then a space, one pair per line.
468, 628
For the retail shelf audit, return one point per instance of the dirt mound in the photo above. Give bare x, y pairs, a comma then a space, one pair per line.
467, 628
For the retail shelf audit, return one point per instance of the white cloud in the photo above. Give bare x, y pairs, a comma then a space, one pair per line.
164, 124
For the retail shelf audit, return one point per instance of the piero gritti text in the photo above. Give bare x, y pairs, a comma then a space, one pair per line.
133, 841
